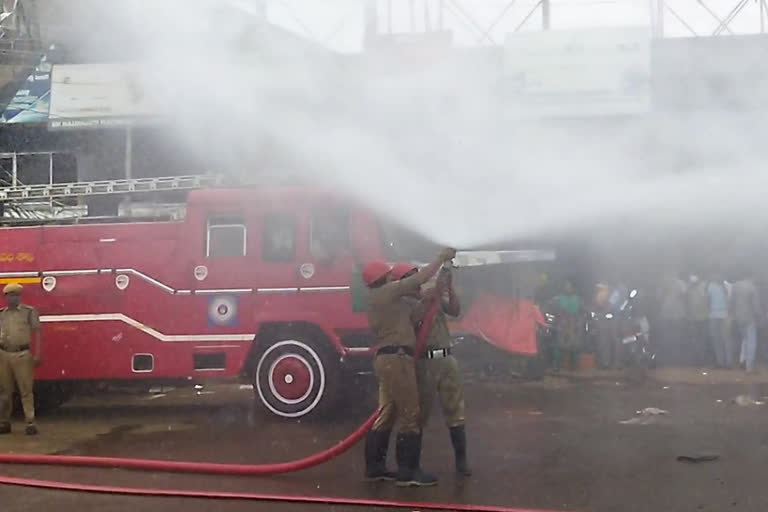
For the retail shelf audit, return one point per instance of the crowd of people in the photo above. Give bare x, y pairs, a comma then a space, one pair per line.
692, 321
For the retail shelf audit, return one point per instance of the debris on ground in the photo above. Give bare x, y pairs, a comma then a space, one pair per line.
160, 389
694, 458
639, 420
746, 400
645, 416
652, 411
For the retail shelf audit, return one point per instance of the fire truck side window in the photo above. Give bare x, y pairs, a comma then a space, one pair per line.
279, 237
226, 237
329, 233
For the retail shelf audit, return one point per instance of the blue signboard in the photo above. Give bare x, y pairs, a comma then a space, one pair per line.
32, 101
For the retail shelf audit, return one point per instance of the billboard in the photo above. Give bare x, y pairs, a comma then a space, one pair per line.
98, 95
577, 73
30, 103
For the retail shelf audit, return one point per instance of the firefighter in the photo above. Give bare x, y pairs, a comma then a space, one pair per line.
389, 318
19, 323
437, 370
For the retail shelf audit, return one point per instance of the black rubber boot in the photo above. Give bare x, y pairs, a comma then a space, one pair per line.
409, 473
5, 428
459, 441
376, 446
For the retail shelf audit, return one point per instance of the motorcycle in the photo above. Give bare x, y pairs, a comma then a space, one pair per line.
634, 332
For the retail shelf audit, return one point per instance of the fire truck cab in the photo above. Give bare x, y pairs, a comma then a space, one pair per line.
255, 282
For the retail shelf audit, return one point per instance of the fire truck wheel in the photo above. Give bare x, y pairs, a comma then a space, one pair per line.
294, 378
49, 396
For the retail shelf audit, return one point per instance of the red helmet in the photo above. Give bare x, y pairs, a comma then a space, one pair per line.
399, 270
374, 271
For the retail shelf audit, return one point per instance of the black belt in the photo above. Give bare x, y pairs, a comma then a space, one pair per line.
395, 349
20, 348
436, 353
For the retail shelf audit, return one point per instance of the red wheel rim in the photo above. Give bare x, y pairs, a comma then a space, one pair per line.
291, 378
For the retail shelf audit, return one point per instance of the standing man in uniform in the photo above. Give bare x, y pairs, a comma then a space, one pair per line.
389, 318
437, 370
19, 324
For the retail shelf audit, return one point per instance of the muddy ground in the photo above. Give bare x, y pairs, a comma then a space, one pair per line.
554, 444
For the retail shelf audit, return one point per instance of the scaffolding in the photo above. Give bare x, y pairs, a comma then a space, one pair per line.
487, 22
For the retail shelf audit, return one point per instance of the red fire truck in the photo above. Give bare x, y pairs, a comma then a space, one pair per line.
260, 283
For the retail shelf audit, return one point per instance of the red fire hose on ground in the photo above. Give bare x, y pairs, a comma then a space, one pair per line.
233, 469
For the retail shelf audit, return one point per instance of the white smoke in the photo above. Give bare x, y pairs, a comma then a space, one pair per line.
434, 150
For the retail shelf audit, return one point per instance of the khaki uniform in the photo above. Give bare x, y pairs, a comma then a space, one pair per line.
440, 376
389, 317
16, 365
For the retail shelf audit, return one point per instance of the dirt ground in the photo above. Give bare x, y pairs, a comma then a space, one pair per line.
553, 444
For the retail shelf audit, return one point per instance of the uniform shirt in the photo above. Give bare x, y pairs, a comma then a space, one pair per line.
439, 335
389, 316
17, 324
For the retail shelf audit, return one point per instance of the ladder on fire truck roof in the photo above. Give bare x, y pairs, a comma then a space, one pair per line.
104, 187
51, 203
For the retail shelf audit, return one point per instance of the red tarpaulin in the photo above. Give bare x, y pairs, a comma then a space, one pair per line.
506, 322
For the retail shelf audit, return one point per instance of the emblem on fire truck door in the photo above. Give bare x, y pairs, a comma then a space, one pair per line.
49, 283
201, 272
222, 310
122, 281
307, 270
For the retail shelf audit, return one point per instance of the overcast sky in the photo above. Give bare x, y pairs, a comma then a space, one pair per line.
339, 23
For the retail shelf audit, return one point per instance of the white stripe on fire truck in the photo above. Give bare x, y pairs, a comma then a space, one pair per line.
58, 273
324, 288
119, 317
234, 291
168, 289
146, 278
277, 290
19, 274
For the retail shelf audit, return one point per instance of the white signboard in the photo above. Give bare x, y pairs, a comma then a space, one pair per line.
93, 95
577, 73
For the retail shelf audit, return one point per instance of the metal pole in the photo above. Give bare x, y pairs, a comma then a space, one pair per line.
370, 22
763, 13
545, 15
128, 152
660, 17
14, 171
50, 176
528, 16
728, 19
714, 15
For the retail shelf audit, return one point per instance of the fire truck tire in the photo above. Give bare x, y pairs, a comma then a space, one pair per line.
49, 396
295, 377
